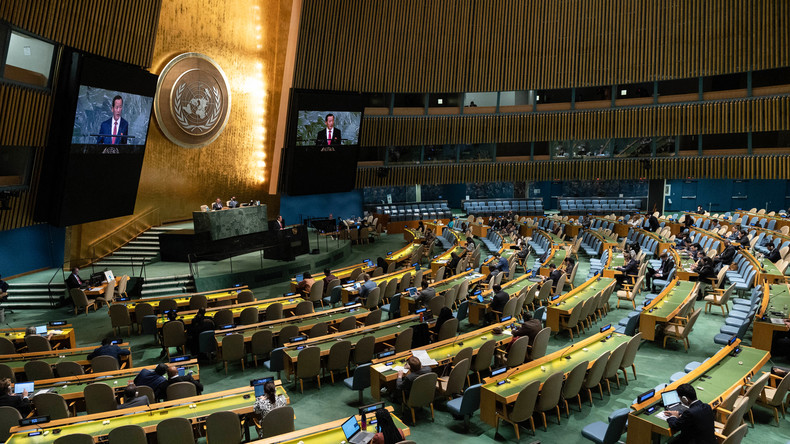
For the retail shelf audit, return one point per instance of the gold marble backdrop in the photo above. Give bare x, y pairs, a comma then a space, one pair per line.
248, 41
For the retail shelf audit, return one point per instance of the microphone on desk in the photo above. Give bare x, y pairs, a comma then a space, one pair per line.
566, 351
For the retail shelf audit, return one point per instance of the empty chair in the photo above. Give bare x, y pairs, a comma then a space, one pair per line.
278, 421
6, 346
517, 353
223, 428
595, 374
75, 438
64, 369
573, 385
173, 335
448, 329
81, 301
316, 293
346, 324
374, 317
363, 350
249, 316
119, 317
303, 308
198, 301
630, 355
273, 312
308, 366
52, 405
774, 393
142, 310
680, 330
37, 370
719, 298
549, 397
261, 344
540, 344
233, 350
422, 393
603, 433
245, 296
360, 380
483, 359
613, 366
223, 317
181, 390
276, 362
101, 364
467, 404
339, 356
175, 431
99, 397
286, 333
319, 329
522, 409
166, 305
128, 434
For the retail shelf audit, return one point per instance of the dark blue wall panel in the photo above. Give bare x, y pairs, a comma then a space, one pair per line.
31, 248
719, 195
295, 208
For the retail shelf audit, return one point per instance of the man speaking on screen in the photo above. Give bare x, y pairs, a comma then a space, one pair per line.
113, 129
330, 137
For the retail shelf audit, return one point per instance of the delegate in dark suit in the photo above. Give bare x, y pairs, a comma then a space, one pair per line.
530, 329
107, 129
322, 139
695, 424
631, 268
663, 271
22, 405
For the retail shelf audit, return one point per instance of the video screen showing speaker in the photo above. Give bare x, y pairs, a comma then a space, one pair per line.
92, 163
322, 143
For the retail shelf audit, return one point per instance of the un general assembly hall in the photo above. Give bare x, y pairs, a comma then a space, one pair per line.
394, 221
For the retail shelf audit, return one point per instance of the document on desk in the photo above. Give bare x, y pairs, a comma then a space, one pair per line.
422, 355
777, 321
662, 415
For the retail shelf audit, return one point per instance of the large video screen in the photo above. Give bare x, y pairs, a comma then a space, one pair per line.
327, 128
97, 140
111, 119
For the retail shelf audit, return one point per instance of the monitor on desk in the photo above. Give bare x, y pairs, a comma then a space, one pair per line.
108, 276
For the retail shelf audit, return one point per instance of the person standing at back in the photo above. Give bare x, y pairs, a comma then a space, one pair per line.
696, 423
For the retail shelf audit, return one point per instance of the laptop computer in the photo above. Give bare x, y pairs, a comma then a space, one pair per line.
20, 387
299, 277
412, 292
354, 433
41, 329
671, 401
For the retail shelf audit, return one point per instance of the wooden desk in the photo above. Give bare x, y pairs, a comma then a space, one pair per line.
341, 273
766, 270
304, 322
213, 298
479, 230
71, 387
683, 264
437, 227
289, 303
478, 310
776, 299
328, 433
666, 306
99, 290
562, 307
382, 332
556, 257
348, 293
494, 398
402, 255
724, 374
195, 409
443, 259
62, 336
442, 352
409, 304
78, 354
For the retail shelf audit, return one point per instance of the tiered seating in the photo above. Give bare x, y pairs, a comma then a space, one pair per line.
648, 244
415, 210
540, 244
596, 205
705, 241
598, 264
493, 241
499, 207
743, 277
447, 239
740, 317
597, 223
591, 244
763, 238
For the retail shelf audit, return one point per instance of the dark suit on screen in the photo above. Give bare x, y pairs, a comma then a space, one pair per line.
106, 128
695, 424
322, 140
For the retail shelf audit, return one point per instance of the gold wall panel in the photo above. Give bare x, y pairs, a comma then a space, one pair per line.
503, 45
119, 30
756, 114
247, 39
724, 167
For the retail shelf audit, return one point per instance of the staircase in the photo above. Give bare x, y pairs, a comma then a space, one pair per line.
168, 285
144, 247
32, 295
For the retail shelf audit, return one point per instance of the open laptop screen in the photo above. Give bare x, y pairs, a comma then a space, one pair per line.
670, 398
20, 387
350, 427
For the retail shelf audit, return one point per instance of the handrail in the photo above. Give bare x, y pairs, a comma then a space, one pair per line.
115, 242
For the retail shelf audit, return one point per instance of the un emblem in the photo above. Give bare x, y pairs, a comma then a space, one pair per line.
192, 101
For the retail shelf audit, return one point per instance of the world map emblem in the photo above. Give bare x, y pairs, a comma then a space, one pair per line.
192, 101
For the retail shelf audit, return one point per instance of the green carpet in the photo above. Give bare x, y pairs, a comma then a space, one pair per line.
654, 365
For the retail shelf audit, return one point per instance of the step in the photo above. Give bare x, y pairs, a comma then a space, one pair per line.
143, 242
25, 305
36, 285
135, 253
33, 291
168, 278
147, 284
